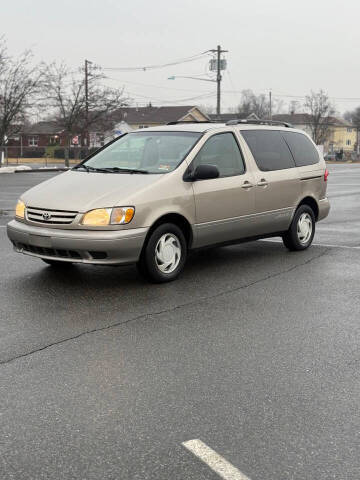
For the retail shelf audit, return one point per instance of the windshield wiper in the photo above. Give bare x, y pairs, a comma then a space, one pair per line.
109, 169
125, 170
91, 169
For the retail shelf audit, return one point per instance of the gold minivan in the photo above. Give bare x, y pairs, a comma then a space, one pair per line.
152, 195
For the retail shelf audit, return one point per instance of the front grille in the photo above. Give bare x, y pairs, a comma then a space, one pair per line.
48, 252
50, 217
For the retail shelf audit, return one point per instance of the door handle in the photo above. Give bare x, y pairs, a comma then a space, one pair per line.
262, 183
247, 184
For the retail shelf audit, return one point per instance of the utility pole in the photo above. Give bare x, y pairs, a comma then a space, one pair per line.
216, 65
270, 105
87, 62
218, 52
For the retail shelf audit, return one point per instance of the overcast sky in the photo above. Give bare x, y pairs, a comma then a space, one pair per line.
288, 46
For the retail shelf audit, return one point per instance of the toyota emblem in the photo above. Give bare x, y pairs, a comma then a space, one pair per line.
46, 216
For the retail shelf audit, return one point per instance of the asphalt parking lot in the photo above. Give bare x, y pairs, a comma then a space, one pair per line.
254, 351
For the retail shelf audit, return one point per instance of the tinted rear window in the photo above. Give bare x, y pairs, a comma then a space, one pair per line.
302, 149
269, 149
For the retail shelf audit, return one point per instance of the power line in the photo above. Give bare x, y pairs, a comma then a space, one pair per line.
179, 100
162, 65
150, 85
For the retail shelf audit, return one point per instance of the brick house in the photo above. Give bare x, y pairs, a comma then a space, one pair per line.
35, 138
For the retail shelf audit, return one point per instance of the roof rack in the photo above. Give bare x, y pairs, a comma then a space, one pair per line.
176, 122
259, 122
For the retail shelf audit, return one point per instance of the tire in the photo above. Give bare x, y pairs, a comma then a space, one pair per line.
297, 237
164, 254
57, 263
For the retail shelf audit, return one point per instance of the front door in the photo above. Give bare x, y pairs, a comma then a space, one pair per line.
223, 204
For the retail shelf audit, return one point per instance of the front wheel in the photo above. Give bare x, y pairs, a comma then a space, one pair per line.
164, 254
302, 229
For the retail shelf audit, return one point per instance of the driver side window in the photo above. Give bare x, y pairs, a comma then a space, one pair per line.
222, 151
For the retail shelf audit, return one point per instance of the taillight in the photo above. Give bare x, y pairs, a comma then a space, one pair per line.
326, 174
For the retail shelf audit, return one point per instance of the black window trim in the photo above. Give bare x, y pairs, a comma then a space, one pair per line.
189, 170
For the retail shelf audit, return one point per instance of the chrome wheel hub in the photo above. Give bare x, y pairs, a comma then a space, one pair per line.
304, 228
168, 253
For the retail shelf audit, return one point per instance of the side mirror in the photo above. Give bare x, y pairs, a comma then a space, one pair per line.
205, 172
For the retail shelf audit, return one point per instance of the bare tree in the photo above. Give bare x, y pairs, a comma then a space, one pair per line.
65, 93
293, 107
19, 84
354, 118
257, 104
207, 109
320, 108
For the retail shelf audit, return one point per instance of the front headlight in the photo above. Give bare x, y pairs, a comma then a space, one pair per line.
108, 216
20, 209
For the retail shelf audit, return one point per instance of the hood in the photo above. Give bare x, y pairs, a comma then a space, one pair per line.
82, 191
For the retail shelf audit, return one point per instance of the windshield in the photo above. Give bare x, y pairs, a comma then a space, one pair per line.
144, 152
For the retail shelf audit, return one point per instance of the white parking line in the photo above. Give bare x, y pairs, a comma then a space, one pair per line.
216, 462
354, 247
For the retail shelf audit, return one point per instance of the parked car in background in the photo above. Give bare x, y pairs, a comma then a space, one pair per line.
330, 157
150, 196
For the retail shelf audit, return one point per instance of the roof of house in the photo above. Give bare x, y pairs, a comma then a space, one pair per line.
150, 114
225, 117
44, 127
306, 118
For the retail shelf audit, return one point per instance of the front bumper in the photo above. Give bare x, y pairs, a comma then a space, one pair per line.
113, 247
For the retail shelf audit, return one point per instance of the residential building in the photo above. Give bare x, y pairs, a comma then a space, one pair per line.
342, 135
144, 117
226, 117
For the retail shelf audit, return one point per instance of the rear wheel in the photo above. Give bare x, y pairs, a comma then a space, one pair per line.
57, 263
302, 229
164, 254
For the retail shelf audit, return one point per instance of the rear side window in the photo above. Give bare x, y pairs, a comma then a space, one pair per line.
269, 149
222, 151
302, 149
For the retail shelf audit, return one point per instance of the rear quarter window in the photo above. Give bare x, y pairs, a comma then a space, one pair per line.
302, 149
269, 149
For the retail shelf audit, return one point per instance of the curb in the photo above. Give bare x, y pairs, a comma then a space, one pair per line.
27, 169
20, 168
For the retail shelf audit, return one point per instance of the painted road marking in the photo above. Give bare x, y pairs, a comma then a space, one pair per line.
216, 462
354, 247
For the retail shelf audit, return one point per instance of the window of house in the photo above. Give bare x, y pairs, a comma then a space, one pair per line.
349, 130
33, 141
54, 140
222, 151
269, 149
143, 126
303, 151
348, 142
